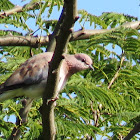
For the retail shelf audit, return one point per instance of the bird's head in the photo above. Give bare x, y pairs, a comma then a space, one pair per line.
79, 62
84, 60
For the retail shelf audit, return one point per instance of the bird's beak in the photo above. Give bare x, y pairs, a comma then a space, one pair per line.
91, 67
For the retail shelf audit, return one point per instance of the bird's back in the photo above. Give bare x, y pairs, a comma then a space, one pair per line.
31, 73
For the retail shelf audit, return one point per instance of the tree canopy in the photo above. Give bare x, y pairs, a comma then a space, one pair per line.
104, 102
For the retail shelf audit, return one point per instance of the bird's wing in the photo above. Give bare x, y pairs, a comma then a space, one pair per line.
33, 71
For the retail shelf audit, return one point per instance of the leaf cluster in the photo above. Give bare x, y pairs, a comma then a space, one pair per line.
89, 107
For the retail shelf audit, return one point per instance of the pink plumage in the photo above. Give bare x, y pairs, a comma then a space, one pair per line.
30, 78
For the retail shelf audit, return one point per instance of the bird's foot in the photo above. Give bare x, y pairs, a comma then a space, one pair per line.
52, 100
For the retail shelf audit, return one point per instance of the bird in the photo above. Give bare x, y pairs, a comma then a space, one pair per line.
30, 78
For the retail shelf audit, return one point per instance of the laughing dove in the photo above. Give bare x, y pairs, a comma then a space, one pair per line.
30, 78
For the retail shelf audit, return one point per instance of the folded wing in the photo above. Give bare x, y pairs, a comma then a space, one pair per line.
33, 71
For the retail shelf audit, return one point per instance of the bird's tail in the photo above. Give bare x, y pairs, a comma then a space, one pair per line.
5, 95
1, 88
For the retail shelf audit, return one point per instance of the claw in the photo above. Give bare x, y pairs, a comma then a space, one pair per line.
52, 100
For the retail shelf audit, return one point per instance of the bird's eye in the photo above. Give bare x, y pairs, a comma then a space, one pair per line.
83, 60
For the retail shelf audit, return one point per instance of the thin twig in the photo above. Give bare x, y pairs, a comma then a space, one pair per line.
18, 9
96, 114
16, 133
117, 73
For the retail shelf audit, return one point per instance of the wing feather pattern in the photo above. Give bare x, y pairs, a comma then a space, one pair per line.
32, 71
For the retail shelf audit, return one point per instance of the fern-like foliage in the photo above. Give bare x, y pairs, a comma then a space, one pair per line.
89, 107
114, 19
87, 17
117, 107
125, 38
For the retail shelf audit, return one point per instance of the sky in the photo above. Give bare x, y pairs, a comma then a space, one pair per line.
97, 7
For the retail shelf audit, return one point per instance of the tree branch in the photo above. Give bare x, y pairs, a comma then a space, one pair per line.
134, 131
69, 15
16, 133
52, 43
19, 9
36, 41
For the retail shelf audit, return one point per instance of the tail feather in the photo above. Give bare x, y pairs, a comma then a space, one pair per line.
4, 94
1, 88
